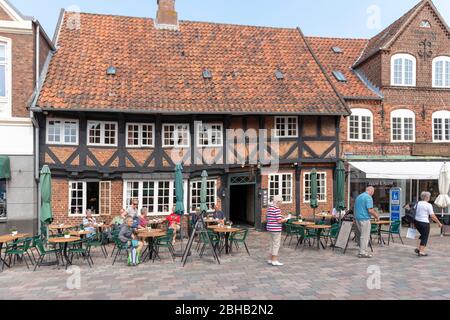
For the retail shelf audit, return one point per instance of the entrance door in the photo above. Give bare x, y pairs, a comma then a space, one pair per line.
242, 204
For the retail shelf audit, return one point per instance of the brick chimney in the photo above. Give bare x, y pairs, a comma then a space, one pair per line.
166, 17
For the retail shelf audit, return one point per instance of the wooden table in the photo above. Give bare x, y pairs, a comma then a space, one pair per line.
9, 238
150, 235
80, 234
60, 227
211, 221
380, 223
63, 241
303, 223
226, 232
318, 228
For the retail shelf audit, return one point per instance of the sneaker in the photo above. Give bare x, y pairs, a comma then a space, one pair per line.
416, 251
277, 264
364, 255
269, 261
422, 254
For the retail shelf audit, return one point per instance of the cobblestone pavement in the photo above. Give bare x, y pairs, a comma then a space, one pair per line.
307, 274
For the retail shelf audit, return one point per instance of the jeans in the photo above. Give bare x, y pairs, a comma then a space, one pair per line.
364, 227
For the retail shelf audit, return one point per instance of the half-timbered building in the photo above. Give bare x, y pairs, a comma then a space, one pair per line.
125, 99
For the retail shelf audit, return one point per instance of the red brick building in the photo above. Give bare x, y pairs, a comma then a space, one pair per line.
126, 98
24, 51
397, 85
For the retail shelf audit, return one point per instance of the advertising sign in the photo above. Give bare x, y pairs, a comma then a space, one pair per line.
395, 204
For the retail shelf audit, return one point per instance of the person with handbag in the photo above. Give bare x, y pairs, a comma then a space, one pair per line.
424, 210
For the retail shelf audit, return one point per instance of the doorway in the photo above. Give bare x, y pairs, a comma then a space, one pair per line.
242, 204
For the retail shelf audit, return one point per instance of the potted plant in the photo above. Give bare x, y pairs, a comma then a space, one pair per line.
14, 231
229, 224
67, 234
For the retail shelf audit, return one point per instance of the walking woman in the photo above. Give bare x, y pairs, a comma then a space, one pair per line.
424, 211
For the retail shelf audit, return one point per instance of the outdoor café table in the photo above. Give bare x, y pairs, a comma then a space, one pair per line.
318, 228
63, 241
380, 223
226, 231
209, 221
303, 223
60, 227
101, 226
9, 238
81, 233
150, 235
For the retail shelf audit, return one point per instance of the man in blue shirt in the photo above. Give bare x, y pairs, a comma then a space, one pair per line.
363, 210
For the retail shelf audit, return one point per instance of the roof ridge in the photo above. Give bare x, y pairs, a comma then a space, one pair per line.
336, 38
185, 21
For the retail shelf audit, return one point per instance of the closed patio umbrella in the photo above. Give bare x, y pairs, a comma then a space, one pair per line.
203, 206
313, 201
179, 194
45, 184
339, 188
443, 200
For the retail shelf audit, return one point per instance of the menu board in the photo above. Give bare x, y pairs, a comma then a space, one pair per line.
344, 235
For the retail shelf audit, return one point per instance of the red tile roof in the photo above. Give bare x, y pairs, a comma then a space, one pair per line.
161, 70
354, 87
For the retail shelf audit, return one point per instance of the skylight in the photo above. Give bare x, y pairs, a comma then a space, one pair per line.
279, 75
339, 76
111, 71
207, 74
336, 49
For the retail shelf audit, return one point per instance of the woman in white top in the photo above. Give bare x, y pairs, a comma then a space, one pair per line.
424, 210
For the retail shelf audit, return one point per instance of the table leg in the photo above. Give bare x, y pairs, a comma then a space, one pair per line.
227, 248
66, 257
2, 260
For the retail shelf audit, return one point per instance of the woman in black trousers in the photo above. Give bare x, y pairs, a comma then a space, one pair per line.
424, 210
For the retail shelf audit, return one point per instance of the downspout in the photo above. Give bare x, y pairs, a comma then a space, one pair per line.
36, 127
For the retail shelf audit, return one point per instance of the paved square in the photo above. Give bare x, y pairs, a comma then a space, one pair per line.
307, 274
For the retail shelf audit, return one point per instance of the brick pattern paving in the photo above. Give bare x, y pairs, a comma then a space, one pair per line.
307, 274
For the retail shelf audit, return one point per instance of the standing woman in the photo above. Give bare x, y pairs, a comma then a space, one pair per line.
424, 210
274, 226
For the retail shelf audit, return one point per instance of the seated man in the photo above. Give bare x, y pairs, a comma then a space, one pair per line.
218, 214
174, 223
89, 223
143, 221
127, 236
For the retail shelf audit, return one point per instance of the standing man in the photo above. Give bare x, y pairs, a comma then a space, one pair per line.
363, 210
274, 226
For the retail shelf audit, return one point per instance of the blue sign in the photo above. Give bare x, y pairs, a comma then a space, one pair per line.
395, 204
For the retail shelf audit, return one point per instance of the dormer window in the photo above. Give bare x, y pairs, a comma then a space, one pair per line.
403, 70
425, 24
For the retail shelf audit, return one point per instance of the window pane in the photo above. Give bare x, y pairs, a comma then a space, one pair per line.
168, 135
447, 129
439, 74
354, 127
398, 71
110, 133
76, 197
366, 128
2, 80
447, 73
408, 72
408, 129
163, 196
132, 192
94, 131
54, 131
2, 52
148, 196
437, 124
397, 129
70, 131
133, 135
147, 135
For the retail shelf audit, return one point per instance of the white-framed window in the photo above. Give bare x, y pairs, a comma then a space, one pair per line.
211, 194
360, 125
95, 196
281, 185
101, 133
175, 135
321, 187
140, 135
209, 135
403, 126
158, 196
4, 68
61, 131
441, 72
403, 70
286, 127
441, 126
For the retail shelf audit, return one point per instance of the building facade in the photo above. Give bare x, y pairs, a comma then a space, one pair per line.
397, 85
24, 49
250, 105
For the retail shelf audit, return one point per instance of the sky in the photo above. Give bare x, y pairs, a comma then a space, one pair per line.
333, 18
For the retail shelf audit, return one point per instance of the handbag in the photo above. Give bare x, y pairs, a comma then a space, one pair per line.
411, 233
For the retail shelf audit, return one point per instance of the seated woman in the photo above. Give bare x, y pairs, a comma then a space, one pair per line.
143, 221
127, 236
120, 219
174, 223
89, 223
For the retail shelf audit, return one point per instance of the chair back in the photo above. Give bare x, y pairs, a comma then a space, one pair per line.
395, 227
40, 246
334, 231
373, 228
240, 235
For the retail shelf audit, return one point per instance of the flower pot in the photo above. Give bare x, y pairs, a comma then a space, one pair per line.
14, 233
67, 236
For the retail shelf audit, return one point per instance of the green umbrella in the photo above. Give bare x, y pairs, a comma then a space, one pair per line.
179, 194
45, 183
203, 206
313, 202
339, 187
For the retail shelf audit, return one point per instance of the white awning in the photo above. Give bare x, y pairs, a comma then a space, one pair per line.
406, 170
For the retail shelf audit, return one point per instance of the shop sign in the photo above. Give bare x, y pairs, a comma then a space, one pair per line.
265, 198
395, 203
428, 149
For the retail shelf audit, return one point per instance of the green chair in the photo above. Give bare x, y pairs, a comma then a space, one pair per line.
239, 237
164, 242
331, 234
98, 241
394, 228
215, 239
119, 248
291, 231
305, 235
115, 237
19, 250
43, 252
81, 249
